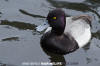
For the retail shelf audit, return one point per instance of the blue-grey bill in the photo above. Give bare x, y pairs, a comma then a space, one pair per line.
42, 27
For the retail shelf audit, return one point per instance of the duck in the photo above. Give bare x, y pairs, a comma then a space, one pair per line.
66, 34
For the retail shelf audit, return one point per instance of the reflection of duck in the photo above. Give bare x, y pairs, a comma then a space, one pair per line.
55, 58
66, 34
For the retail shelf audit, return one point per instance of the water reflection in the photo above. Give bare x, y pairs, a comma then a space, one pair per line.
19, 25
11, 38
0, 12
83, 7
68, 5
94, 2
96, 35
6, 0
32, 15
55, 58
88, 60
87, 47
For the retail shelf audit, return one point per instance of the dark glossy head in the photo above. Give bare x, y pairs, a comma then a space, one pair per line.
56, 19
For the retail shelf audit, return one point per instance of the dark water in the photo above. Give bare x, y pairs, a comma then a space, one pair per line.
19, 42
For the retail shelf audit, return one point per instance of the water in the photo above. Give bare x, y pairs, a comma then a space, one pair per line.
20, 43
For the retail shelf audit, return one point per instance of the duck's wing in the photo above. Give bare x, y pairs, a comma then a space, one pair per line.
86, 18
79, 28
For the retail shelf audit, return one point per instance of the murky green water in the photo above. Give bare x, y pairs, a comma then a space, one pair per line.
19, 42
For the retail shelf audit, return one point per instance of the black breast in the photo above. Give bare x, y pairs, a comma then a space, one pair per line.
63, 44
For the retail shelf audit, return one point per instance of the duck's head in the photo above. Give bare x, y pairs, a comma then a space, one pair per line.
56, 19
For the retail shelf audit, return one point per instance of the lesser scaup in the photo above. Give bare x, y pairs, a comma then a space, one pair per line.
66, 34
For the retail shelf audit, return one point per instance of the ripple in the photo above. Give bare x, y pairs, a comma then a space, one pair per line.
19, 25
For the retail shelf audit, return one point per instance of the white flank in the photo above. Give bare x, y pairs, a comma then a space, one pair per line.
79, 29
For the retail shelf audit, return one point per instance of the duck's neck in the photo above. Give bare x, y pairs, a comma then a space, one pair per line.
57, 31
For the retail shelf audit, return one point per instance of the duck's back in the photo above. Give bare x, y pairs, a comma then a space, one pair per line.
58, 44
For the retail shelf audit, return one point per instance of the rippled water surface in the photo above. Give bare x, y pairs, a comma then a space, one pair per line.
20, 42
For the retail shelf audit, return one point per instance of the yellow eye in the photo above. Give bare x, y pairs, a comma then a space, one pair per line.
54, 18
